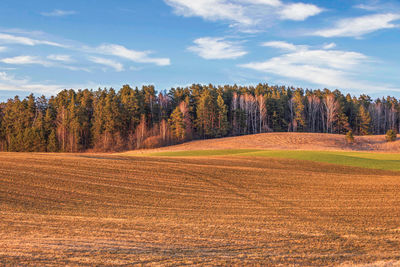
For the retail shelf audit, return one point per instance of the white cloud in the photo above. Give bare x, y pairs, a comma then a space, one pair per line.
326, 68
61, 58
25, 60
58, 13
365, 7
216, 48
13, 39
329, 46
211, 10
107, 49
377, 5
357, 27
133, 55
9, 82
2, 48
281, 45
299, 11
107, 62
244, 14
264, 2
33, 60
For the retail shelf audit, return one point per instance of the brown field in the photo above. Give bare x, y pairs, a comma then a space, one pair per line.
104, 209
291, 141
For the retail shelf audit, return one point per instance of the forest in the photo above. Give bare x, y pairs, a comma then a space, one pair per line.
108, 120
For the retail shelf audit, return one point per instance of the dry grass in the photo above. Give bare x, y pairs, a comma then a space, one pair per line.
113, 210
290, 141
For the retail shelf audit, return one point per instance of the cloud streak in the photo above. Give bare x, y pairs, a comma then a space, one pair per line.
216, 48
6, 38
357, 27
60, 58
26, 60
85, 51
108, 62
9, 82
57, 61
281, 45
129, 54
58, 13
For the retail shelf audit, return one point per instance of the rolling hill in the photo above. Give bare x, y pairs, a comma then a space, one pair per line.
287, 141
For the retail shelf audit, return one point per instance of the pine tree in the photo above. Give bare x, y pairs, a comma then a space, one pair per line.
205, 115
296, 107
52, 144
364, 121
177, 125
222, 112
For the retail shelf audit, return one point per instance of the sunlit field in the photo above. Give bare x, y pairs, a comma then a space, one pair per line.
211, 208
383, 161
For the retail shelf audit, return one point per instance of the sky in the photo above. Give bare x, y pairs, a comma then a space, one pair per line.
350, 45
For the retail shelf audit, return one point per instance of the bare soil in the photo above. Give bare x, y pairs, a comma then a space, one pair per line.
99, 209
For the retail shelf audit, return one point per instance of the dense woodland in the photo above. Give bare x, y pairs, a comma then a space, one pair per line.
133, 118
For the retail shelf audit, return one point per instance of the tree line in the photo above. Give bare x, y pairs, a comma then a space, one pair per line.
133, 118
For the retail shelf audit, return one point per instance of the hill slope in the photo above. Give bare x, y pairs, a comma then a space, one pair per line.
289, 141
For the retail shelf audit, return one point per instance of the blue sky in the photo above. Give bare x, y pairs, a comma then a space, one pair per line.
46, 46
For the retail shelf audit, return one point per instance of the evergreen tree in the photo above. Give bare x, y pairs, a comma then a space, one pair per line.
52, 144
205, 115
177, 125
364, 121
222, 112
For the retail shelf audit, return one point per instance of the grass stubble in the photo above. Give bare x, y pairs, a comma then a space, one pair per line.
104, 209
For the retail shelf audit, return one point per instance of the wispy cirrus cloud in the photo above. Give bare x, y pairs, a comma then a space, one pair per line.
246, 15
281, 45
34, 60
6, 38
326, 68
11, 83
378, 5
60, 58
84, 51
217, 48
329, 46
25, 60
129, 54
58, 13
108, 62
359, 26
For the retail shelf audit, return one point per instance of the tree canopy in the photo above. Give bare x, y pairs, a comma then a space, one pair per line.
133, 118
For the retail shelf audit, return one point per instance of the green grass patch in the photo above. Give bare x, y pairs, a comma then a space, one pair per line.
355, 159
382, 161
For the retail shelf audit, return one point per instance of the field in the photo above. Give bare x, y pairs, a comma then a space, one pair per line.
291, 141
381, 161
170, 206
